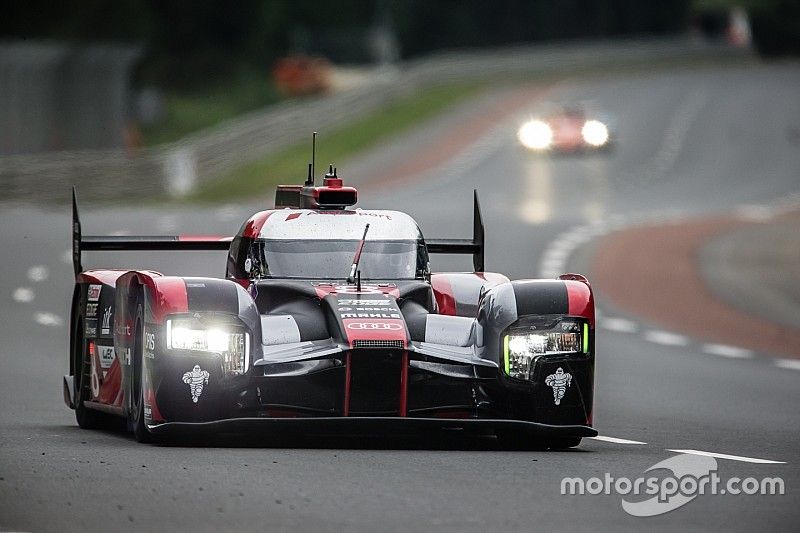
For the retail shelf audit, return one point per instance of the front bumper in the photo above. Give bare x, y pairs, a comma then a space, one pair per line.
381, 390
364, 425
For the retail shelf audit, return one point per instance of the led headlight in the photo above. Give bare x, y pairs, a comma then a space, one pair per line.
523, 346
230, 342
535, 135
594, 133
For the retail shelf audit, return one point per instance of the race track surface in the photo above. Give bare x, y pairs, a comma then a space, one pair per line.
696, 141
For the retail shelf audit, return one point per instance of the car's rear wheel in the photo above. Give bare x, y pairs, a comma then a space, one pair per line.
87, 418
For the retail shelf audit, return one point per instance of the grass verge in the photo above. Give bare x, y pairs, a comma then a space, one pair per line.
289, 165
186, 113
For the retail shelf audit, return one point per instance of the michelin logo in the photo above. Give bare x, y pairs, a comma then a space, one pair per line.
560, 382
196, 379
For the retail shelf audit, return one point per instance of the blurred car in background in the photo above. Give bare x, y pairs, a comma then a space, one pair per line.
298, 75
565, 129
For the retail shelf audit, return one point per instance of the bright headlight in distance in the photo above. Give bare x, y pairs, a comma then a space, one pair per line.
535, 135
521, 349
594, 133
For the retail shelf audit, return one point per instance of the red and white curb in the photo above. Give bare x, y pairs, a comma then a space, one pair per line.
556, 255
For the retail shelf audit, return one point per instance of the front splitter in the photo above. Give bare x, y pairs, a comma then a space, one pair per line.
377, 426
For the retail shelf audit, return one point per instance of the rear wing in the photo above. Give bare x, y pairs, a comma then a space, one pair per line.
82, 243
475, 246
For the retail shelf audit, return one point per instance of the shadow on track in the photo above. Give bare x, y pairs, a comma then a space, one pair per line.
445, 440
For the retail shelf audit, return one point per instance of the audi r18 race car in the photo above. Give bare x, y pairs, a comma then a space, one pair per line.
329, 319
565, 129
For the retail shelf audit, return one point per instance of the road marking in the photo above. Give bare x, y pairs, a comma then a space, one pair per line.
38, 273
621, 325
727, 351
48, 319
23, 295
731, 457
666, 338
616, 440
755, 213
791, 364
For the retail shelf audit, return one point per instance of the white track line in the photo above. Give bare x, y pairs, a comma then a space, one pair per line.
23, 294
666, 338
621, 325
755, 213
731, 457
48, 319
791, 364
727, 351
616, 440
38, 273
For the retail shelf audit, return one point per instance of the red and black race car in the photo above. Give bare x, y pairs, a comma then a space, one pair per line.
328, 318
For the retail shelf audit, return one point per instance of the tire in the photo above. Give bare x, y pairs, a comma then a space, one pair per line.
87, 418
140, 431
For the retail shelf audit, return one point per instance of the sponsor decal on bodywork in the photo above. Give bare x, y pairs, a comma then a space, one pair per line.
559, 382
91, 327
375, 326
105, 327
91, 310
149, 344
106, 355
93, 293
196, 378
371, 317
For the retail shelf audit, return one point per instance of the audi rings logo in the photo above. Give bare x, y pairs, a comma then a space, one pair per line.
383, 326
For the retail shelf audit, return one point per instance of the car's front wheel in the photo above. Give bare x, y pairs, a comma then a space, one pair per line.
137, 422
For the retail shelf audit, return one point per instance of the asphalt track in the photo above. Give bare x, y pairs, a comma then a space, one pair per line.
694, 141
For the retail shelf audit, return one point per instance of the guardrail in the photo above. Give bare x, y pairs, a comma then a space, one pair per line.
177, 168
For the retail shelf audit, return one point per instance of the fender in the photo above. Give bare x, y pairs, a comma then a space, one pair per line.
458, 293
161, 296
504, 303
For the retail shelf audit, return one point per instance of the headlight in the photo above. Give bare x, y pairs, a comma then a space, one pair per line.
522, 346
535, 135
594, 133
228, 341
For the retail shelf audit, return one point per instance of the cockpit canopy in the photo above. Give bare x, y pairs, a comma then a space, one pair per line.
331, 259
319, 244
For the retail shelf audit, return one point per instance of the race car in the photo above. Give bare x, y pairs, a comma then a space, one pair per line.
329, 319
565, 129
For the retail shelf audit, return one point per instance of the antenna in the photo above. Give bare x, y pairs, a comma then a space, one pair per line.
313, 155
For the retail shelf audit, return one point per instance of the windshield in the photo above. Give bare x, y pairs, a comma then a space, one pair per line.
331, 259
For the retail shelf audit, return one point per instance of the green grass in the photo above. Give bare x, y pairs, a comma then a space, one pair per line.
290, 165
186, 113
